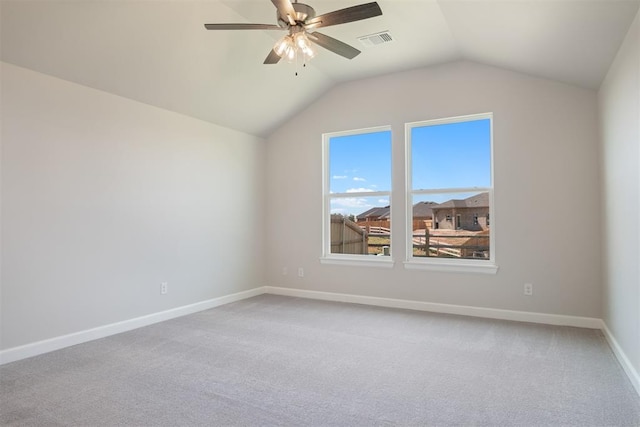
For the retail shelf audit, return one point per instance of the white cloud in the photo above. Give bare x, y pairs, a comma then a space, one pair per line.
357, 178
349, 205
349, 202
340, 177
384, 201
359, 190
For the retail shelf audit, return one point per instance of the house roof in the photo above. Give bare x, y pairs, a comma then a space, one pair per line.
377, 213
159, 53
480, 200
423, 209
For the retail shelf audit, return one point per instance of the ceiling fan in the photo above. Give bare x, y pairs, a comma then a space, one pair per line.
300, 21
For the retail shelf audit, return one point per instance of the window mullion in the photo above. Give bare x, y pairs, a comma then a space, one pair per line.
450, 190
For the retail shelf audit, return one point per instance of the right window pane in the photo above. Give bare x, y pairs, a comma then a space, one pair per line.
450, 188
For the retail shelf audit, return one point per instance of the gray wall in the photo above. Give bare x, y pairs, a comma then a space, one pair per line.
619, 100
104, 198
546, 171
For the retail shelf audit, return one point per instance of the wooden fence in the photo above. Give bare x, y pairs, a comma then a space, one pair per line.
417, 224
347, 237
451, 245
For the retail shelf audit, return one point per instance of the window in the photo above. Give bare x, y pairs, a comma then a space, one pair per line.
449, 169
357, 196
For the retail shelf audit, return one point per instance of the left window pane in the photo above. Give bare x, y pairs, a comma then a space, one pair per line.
357, 193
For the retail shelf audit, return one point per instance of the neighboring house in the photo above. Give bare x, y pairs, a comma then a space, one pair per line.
423, 215
467, 214
375, 214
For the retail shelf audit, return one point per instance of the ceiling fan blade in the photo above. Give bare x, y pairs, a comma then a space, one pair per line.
342, 16
272, 58
286, 10
242, 27
334, 45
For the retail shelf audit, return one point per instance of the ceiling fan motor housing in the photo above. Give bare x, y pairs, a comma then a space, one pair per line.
303, 12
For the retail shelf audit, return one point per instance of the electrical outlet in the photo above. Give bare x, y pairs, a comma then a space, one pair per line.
164, 288
300, 272
528, 289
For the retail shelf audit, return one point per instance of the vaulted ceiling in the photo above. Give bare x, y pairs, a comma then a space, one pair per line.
158, 52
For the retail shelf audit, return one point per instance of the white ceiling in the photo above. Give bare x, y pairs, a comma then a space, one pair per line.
159, 53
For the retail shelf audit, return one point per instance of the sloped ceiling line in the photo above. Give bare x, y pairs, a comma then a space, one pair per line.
159, 52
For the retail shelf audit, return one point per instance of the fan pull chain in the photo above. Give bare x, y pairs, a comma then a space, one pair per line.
304, 65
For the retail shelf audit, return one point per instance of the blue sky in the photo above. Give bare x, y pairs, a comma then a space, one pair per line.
360, 162
450, 155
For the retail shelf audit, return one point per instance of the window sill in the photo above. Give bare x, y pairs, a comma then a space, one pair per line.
455, 267
360, 261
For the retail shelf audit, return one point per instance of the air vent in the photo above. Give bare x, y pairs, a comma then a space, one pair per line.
376, 39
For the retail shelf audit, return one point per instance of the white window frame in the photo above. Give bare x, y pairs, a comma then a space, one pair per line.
447, 264
351, 259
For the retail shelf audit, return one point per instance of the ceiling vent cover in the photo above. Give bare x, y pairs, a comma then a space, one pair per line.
376, 39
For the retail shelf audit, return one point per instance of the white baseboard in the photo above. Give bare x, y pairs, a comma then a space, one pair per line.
631, 372
45, 346
491, 313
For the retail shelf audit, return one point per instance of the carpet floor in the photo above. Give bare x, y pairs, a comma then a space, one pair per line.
273, 360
